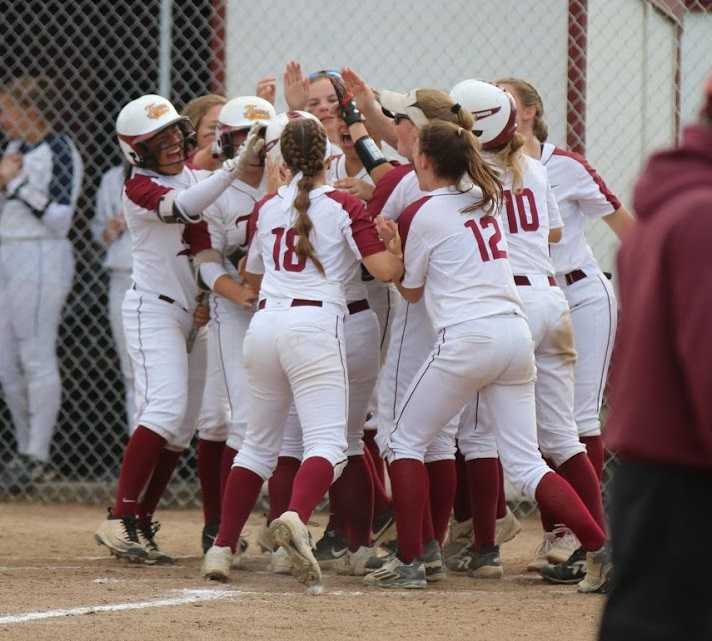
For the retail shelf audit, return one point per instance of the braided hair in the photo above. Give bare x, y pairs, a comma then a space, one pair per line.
303, 145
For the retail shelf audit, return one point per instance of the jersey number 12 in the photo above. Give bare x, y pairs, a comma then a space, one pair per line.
291, 261
491, 250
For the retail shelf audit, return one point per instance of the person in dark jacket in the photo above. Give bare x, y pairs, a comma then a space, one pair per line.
661, 418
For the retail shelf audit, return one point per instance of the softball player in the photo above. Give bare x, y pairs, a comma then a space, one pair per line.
532, 220
581, 195
307, 243
411, 330
163, 201
108, 227
36, 263
455, 255
223, 414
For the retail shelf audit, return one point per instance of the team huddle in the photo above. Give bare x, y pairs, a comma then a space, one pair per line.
370, 287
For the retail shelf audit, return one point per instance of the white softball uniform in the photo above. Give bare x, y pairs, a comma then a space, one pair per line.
226, 398
484, 343
410, 329
36, 269
581, 194
118, 262
295, 345
158, 309
530, 213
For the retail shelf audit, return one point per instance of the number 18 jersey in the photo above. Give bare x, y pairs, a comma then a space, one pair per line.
342, 234
460, 258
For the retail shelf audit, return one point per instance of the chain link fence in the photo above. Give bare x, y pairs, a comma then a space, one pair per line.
618, 80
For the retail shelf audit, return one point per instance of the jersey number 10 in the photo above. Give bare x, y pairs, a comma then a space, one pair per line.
291, 261
490, 251
521, 211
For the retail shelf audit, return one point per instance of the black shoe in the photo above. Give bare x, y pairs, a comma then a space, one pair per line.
330, 548
207, 539
380, 525
571, 571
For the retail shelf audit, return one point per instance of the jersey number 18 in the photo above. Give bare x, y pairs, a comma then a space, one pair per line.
291, 261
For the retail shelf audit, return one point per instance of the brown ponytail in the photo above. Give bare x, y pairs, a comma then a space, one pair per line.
303, 145
529, 96
454, 151
509, 158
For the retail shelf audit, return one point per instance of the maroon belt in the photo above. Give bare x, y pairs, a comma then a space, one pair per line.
523, 281
574, 276
358, 306
296, 302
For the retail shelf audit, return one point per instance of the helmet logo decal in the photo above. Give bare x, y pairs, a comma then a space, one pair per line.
253, 112
156, 109
486, 113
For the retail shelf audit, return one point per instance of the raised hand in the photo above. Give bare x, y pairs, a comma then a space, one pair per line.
296, 86
267, 88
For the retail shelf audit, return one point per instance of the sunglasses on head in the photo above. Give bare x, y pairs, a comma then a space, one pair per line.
398, 118
325, 73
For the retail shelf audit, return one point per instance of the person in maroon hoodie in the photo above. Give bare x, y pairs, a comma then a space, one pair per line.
661, 420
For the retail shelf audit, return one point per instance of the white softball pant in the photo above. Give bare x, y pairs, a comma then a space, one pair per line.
549, 320
411, 339
169, 382
495, 357
119, 283
300, 353
37, 276
594, 314
223, 415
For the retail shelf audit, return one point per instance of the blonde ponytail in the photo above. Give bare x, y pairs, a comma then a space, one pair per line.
509, 158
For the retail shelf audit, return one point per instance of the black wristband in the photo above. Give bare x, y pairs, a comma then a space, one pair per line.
369, 153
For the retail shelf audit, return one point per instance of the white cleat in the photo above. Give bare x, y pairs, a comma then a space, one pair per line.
354, 563
540, 559
598, 571
290, 533
217, 563
459, 537
563, 546
280, 563
120, 535
507, 528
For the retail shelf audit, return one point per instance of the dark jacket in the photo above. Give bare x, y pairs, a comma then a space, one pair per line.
661, 386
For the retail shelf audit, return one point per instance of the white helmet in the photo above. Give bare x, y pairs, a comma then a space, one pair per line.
275, 129
494, 110
240, 114
143, 118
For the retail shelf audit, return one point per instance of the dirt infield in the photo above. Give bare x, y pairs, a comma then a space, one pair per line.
56, 584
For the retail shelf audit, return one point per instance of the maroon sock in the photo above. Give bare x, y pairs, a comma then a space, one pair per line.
484, 490
410, 495
162, 473
369, 440
461, 506
548, 521
338, 506
228, 457
280, 484
556, 495
578, 471
140, 458
443, 481
501, 494
595, 450
427, 532
381, 501
310, 485
209, 473
357, 502
241, 491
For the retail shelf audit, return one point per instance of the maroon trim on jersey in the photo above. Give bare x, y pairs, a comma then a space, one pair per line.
406, 218
145, 192
197, 237
384, 188
362, 228
607, 193
252, 222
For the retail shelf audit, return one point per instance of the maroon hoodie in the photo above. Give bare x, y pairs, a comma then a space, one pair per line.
661, 387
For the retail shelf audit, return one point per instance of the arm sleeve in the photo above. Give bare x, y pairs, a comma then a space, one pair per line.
387, 200
196, 198
592, 194
552, 206
416, 256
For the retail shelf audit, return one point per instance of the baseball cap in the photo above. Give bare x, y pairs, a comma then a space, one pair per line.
406, 104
